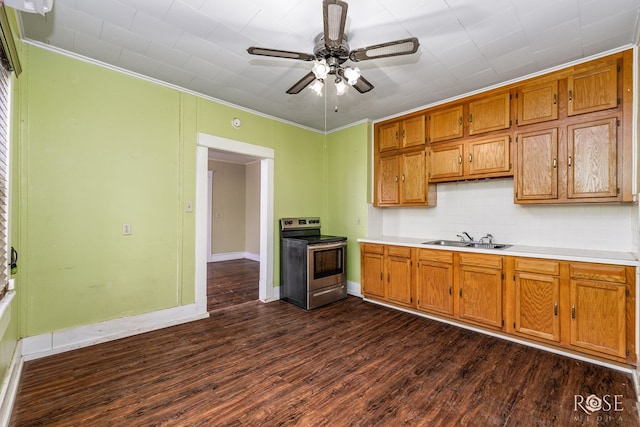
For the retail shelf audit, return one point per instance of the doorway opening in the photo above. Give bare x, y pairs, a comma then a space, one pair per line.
239, 150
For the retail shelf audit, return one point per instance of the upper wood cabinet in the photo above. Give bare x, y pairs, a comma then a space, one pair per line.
446, 161
537, 103
446, 123
402, 180
490, 113
489, 155
592, 88
592, 159
405, 133
536, 176
388, 136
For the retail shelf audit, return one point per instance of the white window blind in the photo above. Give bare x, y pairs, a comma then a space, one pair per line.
4, 173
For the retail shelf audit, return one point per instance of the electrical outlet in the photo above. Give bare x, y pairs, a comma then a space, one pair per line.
188, 206
126, 229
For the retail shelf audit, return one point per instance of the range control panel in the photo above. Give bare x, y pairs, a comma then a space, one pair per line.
299, 223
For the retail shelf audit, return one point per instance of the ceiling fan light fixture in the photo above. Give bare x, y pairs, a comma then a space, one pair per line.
352, 75
341, 86
321, 69
317, 86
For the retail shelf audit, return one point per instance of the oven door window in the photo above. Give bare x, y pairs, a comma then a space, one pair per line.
328, 262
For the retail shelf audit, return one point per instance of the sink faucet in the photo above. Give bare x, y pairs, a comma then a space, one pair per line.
462, 236
487, 236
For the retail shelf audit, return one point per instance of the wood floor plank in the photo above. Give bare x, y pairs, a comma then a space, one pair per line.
350, 363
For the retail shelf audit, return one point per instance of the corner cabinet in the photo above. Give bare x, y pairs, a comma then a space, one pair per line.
579, 307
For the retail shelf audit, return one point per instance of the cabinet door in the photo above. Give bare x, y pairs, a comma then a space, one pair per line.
399, 276
598, 316
414, 178
592, 159
481, 295
446, 124
593, 89
446, 161
388, 136
537, 165
388, 183
537, 103
536, 300
413, 131
490, 113
372, 274
434, 287
489, 155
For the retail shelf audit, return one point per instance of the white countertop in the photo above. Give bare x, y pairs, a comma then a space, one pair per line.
563, 254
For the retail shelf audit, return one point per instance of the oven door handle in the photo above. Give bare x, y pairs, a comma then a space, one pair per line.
325, 246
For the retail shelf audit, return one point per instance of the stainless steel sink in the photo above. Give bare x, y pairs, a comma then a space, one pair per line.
460, 244
447, 243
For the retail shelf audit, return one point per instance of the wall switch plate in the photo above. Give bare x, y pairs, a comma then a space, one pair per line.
188, 206
126, 229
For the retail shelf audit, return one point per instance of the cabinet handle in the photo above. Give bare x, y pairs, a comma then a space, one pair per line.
396, 178
450, 290
470, 157
555, 99
460, 159
460, 121
573, 312
570, 95
555, 162
460, 292
381, 278
470, 118
389, 277
396, 135
402, 177
555, 309
569, 161
403, 133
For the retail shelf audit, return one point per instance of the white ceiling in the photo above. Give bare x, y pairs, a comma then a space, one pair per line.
466, 45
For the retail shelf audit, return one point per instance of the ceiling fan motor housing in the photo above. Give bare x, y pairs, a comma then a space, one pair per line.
333, 55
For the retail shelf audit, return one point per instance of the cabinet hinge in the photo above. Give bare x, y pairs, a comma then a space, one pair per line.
514, 277
627, 351
516, 194
618, 189
516, 119
411, 299
428, 117
502, 276
617, 122
502, 322
511, 96
516, 95
514, 325
509, 122
619, 102
510, 137
618, 68
510, 165
627, 292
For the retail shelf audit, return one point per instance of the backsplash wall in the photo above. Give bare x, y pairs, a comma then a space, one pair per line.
486, 206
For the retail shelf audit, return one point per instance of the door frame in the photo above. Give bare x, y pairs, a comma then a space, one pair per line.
267, 291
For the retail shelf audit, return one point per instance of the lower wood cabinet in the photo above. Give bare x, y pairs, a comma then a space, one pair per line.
387, 273
480, 289
581, 307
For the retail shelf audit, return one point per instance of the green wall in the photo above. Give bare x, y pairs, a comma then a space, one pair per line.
346, 190
100, 148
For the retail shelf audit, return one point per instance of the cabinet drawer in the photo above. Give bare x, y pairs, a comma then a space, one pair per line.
533, 265
373, 248
481, 260
436, 256
607, 273
399, 251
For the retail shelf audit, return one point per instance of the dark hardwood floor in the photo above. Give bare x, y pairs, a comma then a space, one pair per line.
231, 283
351, 363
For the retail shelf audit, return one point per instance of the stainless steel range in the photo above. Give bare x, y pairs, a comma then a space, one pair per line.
312, 265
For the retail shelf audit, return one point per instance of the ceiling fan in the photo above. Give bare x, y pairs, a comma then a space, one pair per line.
331, 51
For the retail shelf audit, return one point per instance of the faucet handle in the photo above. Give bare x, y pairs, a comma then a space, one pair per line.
487, 236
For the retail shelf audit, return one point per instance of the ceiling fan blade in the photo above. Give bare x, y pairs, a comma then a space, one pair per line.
396, 48
280, 53
363, 85
334, 13
301, 84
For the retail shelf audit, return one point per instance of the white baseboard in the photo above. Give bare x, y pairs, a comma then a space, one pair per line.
10, 383
353, 288
229, 256
63, 340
